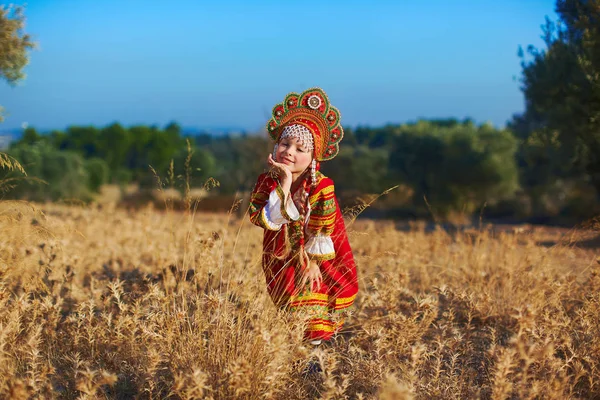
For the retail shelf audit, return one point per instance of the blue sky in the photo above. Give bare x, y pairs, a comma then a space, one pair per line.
226, 63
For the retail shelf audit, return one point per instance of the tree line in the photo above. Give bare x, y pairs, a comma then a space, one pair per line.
443, 166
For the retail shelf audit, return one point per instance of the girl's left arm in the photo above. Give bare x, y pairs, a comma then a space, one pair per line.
321, 223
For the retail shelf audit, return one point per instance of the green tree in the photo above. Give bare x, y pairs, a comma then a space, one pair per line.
113, 145
201, 166
561, 85
14, 45
455, 168
164, 145
173, 129
63, 172
98, 173
83, 140
359, 169
137, 158
30, 136
239, 160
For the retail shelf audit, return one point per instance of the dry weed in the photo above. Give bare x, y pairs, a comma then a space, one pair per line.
98, 302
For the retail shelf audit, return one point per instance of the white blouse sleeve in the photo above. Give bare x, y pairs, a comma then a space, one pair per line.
320, 247
275, 214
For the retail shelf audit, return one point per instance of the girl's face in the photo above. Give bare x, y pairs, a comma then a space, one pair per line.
294, 155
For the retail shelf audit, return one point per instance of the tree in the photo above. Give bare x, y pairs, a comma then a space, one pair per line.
201, 166
98, 173
359, 168
239, 160
14, 44
455, 168
113, 144
562, 90
30, 136
64, 173
13, 57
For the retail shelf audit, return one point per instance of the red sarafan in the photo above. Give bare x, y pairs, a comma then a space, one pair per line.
307, 259
282, 268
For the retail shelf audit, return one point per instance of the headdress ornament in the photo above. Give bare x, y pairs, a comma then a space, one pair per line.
312, 110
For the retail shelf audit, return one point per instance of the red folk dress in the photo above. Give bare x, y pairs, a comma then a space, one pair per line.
323, 235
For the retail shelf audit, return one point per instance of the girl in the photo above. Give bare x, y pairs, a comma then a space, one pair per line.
307, 260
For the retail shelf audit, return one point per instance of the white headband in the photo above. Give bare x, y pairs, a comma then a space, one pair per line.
301, 133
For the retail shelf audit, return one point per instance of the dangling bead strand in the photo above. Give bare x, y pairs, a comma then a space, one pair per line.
313, 172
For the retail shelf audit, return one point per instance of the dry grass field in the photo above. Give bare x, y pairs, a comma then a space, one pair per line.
99, 302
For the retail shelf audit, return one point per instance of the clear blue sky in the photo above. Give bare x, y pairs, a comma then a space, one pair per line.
226, 63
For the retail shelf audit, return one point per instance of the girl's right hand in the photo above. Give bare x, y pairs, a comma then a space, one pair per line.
312, 276
282, 170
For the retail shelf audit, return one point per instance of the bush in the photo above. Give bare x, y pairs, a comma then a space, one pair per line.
360, 169
121, 176
98, 173
63, 174
458, 168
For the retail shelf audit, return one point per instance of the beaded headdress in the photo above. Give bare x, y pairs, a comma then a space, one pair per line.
311, 110
301, 133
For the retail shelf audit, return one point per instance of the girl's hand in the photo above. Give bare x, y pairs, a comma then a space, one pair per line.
282, 170
313, 276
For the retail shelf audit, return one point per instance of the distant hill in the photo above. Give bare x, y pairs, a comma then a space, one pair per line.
9, 135
218, 131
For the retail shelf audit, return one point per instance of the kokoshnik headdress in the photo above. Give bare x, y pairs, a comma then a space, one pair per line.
312, 111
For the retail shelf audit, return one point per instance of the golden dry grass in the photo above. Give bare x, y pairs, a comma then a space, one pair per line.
99, 302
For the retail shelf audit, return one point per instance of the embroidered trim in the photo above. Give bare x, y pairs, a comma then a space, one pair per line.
323, 211
323, 192
283, 210
344, 302
323, 325
305, 296
321, 257
266, 222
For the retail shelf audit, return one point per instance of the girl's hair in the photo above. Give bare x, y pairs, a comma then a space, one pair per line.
307, 184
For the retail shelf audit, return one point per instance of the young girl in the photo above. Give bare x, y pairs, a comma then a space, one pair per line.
307, 260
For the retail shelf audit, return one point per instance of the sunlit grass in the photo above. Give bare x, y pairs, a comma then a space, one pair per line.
99, 302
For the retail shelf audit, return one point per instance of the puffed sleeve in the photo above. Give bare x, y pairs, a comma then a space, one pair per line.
321, 222
267, 206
